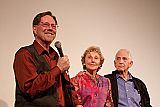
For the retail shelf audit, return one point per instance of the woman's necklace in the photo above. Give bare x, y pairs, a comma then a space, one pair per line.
92, 76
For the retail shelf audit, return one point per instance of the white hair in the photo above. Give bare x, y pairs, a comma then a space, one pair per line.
125, 50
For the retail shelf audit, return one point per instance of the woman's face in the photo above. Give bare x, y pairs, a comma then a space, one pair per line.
92, 61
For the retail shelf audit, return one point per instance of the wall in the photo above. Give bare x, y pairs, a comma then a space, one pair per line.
109, 24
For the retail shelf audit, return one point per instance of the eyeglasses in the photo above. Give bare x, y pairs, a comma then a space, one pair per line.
47, 25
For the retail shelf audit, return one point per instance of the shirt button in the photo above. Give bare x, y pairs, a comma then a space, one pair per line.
95, 94
140, 104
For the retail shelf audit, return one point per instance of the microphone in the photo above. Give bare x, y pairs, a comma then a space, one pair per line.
59, 48
67, 82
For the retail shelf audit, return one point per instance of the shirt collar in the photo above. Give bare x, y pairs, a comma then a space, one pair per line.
41, 50
130, 76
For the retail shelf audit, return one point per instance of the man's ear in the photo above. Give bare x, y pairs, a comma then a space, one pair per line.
34, 29
114, 63
131, 63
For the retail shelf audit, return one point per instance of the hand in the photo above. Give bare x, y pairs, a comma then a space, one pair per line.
63, 63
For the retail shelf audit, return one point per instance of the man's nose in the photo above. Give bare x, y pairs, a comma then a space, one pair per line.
121, 61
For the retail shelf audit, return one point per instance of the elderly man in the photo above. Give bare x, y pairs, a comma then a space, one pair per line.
127, 90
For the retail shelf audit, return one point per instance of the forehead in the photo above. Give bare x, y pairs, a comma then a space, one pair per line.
47, 18
93, 53
122, 54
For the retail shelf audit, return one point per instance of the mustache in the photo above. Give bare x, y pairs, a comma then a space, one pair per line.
49, 31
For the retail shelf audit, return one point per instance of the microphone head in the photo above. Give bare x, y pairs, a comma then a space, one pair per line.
57, 44
59, 48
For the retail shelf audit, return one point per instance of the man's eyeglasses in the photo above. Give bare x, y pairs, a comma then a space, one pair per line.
47, 25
